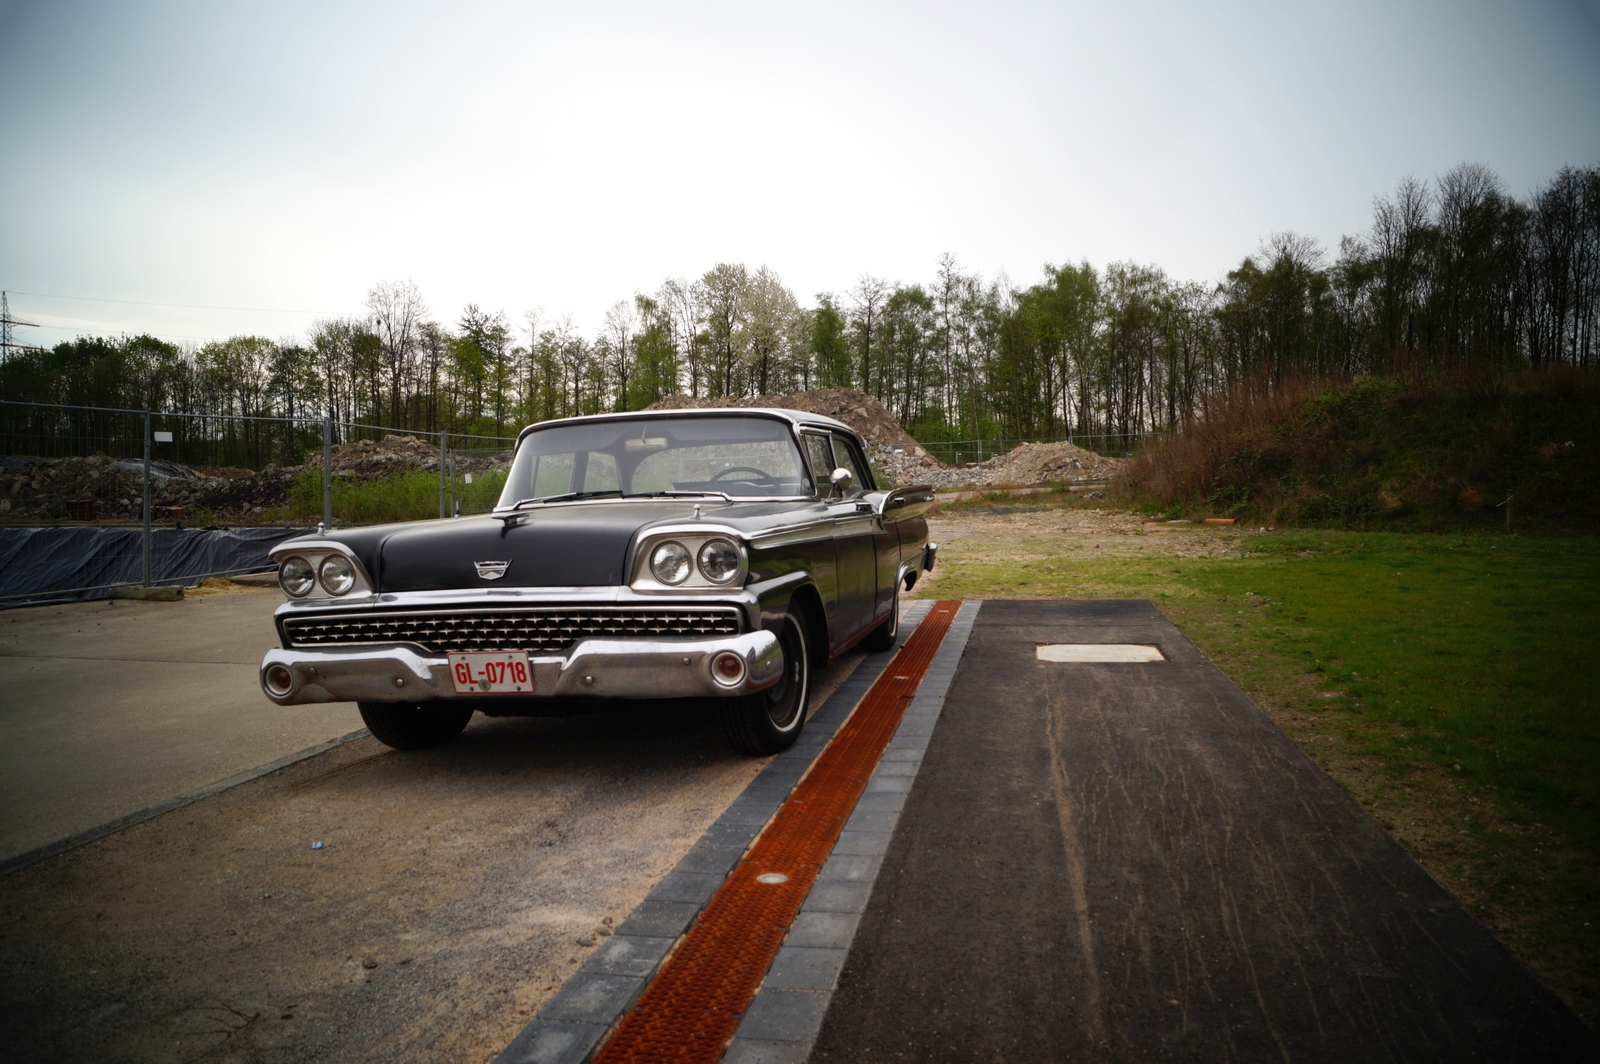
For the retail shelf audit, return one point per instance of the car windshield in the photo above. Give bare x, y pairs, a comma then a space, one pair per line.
742, 457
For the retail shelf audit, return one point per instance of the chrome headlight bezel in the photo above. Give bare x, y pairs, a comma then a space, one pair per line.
315, 556
693, 539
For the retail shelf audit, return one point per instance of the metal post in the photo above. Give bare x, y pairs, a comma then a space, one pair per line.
147, 498
327, 472
444, 439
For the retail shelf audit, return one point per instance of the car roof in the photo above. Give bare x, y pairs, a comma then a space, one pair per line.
797, 418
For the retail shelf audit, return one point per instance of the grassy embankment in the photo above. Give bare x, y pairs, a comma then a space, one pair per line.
1384, 454
1442, 679
410, 496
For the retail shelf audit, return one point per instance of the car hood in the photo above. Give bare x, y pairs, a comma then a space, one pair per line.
575, 545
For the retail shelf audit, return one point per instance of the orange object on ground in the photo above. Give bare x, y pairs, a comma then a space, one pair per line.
692, 1008
1220, 520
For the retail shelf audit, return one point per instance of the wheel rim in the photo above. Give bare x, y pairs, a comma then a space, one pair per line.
786, 700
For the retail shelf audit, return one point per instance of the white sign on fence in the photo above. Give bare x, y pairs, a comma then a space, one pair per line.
162, 437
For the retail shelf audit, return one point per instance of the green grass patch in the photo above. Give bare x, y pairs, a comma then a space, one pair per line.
409, 496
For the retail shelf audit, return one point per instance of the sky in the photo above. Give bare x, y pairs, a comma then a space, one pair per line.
199, 170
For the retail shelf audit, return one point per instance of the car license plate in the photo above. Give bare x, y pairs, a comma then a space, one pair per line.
500, 672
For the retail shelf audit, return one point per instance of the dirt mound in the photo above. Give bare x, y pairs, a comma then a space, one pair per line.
1050, 463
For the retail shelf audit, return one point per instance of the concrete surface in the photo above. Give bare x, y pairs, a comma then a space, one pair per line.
1117, 862
456, 891
108, 707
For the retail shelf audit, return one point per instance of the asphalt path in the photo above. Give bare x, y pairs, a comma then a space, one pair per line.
110, 707
1132, 862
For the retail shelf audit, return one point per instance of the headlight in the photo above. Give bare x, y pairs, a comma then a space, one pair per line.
338, 575
670, 563
719, 561
295, 576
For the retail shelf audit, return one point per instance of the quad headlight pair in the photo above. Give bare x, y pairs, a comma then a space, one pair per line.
672, 564
336, 574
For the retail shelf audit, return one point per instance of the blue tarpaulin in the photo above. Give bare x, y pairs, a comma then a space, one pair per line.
77, 563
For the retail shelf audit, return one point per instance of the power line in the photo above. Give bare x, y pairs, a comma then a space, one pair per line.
6, 322
183, 306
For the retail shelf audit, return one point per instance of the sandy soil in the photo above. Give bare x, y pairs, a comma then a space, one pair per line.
1017, 531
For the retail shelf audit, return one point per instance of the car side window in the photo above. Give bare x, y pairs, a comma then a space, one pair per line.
844, 451
821, 458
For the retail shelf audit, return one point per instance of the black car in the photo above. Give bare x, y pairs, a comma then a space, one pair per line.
710, 554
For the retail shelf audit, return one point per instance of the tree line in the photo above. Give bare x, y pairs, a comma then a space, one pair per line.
1454, 274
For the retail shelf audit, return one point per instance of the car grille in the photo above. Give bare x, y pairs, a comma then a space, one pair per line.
536, 630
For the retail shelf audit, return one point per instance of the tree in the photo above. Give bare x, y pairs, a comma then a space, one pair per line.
722, 294
830, 349
397, 314
617, 338
770, 313
869, 295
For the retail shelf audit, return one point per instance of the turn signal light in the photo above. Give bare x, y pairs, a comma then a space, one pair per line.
728, 668
279, 679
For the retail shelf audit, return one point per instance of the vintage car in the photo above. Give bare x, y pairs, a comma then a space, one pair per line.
705, 554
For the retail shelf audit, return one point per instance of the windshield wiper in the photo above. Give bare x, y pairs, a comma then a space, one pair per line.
724, 496
566, 496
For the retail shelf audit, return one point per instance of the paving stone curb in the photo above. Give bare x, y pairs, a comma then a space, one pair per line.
783, 1021
572, 1024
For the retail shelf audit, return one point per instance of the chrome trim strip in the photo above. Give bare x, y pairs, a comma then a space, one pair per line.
595, 668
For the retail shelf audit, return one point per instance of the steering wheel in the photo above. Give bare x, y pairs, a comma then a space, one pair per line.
761, 474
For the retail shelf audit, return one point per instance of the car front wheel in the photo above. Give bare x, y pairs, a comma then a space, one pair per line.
414, 725
770, 721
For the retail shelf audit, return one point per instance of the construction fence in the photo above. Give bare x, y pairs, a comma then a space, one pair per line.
144, 481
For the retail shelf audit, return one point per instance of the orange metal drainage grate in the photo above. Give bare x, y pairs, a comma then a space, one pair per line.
692, 1008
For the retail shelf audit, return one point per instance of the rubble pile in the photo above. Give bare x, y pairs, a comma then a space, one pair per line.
49, 488
1040, 463
368, 460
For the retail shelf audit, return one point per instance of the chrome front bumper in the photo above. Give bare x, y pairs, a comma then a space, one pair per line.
595, 668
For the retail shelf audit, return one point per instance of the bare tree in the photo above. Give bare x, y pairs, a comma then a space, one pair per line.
617, 332
684, 313
870, 294
722, 293
398, 314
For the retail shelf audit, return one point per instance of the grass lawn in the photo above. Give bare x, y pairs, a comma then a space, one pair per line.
1442, 679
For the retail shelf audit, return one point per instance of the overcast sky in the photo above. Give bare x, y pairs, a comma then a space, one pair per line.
563, 156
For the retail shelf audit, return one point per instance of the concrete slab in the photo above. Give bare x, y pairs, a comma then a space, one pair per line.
109, 707
1115, 862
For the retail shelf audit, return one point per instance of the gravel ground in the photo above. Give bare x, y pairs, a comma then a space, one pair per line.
455, 890
1020, 532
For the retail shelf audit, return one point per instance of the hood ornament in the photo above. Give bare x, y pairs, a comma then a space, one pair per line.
491, 570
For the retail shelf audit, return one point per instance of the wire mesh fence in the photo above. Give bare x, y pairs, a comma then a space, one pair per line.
148, 482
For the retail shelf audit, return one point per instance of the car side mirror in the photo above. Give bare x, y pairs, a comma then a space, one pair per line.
841, 480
